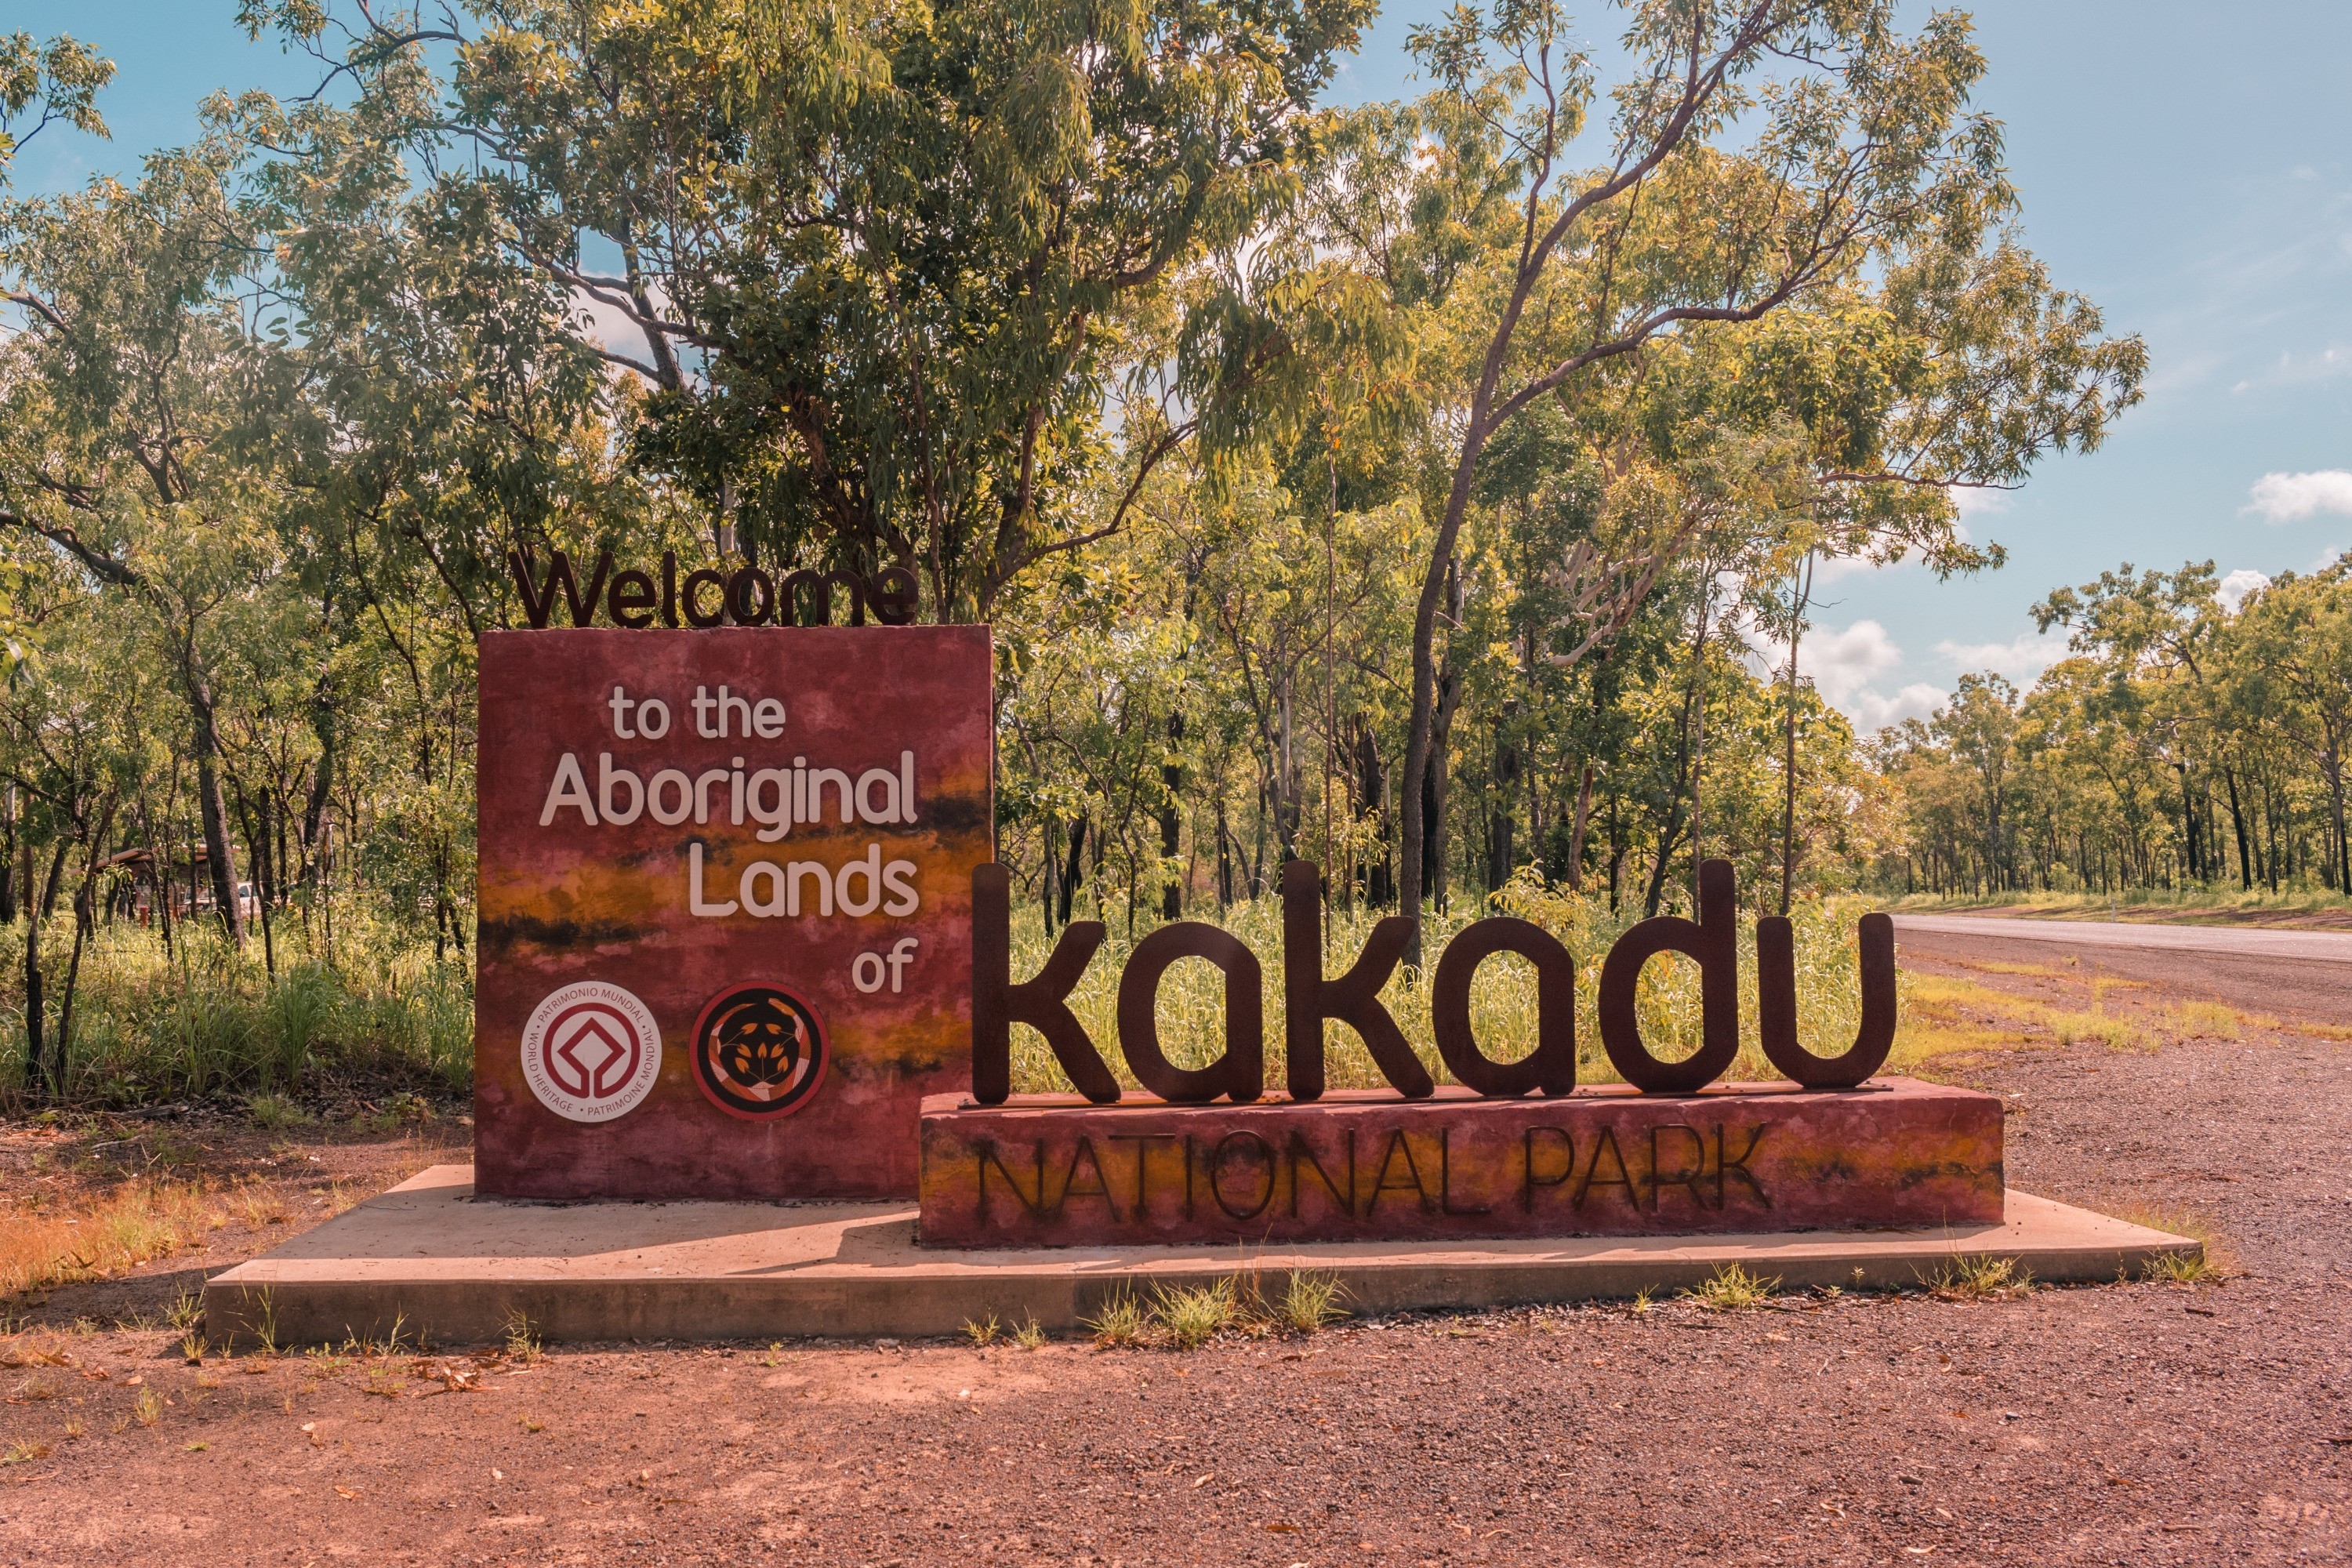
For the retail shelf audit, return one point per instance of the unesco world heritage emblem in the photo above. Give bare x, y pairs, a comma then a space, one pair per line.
591, 1051
758, 1052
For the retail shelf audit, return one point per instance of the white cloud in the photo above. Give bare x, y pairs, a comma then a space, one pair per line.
2234, 588
2021, 659
1970, 500
1869, 710
1841, 663
2289, 497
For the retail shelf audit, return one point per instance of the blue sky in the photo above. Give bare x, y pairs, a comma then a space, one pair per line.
2182, 165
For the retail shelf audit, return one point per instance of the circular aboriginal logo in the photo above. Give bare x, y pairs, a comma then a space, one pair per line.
758, 1052
591, 1051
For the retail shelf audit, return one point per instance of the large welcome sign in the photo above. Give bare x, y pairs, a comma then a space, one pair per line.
726, 906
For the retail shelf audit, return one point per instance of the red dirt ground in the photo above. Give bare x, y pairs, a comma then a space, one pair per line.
2127, 1424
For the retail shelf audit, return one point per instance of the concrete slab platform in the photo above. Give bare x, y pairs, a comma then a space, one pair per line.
430, 1255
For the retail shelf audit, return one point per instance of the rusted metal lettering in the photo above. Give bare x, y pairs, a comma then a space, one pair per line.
1445, 1203
1354, 998
1713, 940
1623, 1178
1143, 1141
1084, 1150
1725, 1166
1217, 1174
1380, 1183
1529, 1180
987, 1154
1687, 1179
1240, 1073
1776, 1000
1552, 1066
1042, 1003
1300, 1150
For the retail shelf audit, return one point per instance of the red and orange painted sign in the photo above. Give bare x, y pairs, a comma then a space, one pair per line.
726, 906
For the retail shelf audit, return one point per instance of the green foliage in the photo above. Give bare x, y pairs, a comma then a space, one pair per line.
1981, 1278
1313, 466
48, 82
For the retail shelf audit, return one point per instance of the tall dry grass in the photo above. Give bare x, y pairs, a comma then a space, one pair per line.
1502, 998
203, 1020
134, 1223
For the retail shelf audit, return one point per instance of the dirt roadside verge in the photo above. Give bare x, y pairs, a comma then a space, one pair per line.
2134, 1423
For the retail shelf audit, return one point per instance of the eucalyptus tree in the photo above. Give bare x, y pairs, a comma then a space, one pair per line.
122, 416
2293, 665
1760, 156
876, 266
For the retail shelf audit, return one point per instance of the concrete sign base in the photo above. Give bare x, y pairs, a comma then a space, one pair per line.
431, 1256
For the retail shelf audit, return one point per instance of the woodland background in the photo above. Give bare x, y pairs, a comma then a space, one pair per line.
1434, 491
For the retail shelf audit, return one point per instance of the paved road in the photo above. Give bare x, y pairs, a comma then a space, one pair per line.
2325, 946
2304, 975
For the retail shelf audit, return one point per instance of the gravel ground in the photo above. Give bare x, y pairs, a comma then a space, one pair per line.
2126, 1424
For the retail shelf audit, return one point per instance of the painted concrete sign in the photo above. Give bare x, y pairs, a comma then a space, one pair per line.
726, 906
1519, 1150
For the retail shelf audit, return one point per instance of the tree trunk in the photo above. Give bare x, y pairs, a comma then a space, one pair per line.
1437, 784
1441, 585
9, 881
1802, 592
1576, 831
1075, 869
1499, 856
84, 921
1171, 777
256, 838
1224, 855
36, 1009
322, 782
210, 804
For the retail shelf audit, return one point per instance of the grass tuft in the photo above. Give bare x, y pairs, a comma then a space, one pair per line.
982, 1331
1310, 1300
1982, 1277
2181, 1269
523, 1343
276, 1112
1732, 1288
1191, 1316
137, 1222
1120, 1323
